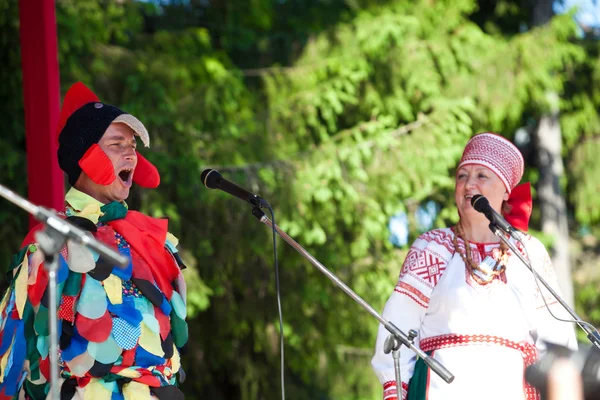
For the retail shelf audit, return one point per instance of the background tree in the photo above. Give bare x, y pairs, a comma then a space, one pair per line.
343, 115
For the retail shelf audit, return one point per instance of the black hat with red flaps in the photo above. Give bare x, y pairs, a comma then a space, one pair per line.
83, 120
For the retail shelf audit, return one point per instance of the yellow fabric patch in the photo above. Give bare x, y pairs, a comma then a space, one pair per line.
85, 205
4, 361
21, 288
175, 360
150, 341
96, 391
35, 261
171, 238
129, 373
113, 286
136, 391
91, 212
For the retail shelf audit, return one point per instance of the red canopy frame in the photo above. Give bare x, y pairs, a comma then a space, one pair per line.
41, 98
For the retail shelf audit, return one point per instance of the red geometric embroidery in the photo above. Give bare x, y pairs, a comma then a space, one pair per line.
496, 153
390, 391
413, 293
423, 264
527, 350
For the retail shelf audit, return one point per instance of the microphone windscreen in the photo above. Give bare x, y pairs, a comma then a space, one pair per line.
211, 178
480, 203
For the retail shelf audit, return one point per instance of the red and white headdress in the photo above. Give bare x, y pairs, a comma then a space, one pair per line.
496, 153
505, 160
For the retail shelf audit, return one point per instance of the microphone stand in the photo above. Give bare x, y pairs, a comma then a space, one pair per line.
51, 240
592, 335
400, 336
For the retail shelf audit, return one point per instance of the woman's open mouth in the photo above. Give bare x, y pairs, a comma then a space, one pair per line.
126, 176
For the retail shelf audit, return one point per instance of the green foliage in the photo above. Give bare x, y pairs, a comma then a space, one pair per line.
341, 114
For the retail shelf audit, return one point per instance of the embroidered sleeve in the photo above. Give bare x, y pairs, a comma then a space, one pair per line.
422, 269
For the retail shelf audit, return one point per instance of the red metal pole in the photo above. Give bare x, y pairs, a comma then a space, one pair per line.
41, 97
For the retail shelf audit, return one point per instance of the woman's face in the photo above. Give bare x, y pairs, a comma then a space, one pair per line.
477, 179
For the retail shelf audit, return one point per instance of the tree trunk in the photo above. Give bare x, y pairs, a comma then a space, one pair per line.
548, 142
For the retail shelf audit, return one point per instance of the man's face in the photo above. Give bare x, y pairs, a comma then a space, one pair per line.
119, 144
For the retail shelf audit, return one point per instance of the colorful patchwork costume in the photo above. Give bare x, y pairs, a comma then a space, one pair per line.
121, 330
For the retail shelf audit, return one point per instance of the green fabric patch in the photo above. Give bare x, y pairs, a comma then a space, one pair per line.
15, 262
179, 329
73, 284
417, 387
41, 321
36, 392
112, 211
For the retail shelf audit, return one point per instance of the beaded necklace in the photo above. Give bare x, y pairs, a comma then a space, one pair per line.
482, 276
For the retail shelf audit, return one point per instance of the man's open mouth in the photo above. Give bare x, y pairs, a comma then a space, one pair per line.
126, 176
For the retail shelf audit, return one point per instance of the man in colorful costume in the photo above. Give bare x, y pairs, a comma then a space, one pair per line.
484, 326
120, 329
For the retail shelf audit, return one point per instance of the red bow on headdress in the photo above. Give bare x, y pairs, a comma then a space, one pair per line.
520, 205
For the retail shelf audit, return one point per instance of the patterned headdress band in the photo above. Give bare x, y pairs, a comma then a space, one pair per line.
496, 153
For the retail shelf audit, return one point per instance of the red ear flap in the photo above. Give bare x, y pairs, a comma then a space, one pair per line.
96, 164
145, 174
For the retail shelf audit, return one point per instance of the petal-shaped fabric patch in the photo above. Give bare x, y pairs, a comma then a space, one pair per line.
151, 342
145, 359
127, 310
21, 289
125, 334
113, 286
63, 270
66, 310
175, 360
179, 329
182, 287
151, 323
77, 347
94, 330
81, 364
124, 273
92, 302
73, 284
80, 259
95, 390
41, 321
106, 352
42, 344
136, 391
99, 370
35, 260
163, 321
178, 305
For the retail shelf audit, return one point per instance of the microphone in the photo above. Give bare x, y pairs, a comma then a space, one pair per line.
212, 179
481, 204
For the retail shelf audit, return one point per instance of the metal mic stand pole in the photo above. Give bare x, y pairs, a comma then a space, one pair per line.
392, 345
592, 335
435, 365
51, 240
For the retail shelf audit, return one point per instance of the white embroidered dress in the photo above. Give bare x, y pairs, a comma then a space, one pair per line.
484, 335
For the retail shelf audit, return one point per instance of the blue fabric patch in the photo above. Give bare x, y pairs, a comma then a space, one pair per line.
127, 311
77, 347
117, 396
63, 270
124, 273
165, 306
125, 334
18, 355
7, 334
146, 359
